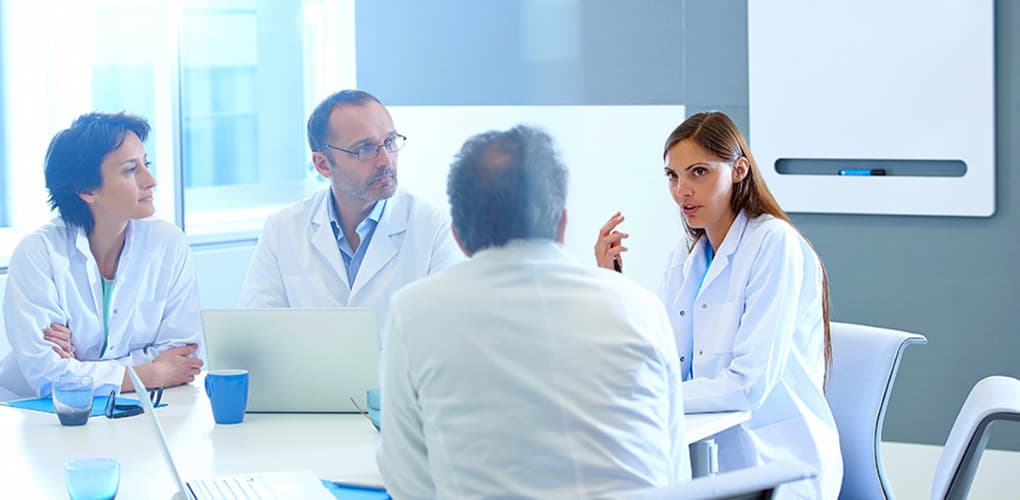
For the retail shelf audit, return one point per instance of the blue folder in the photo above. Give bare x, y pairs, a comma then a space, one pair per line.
46, 404
355, 492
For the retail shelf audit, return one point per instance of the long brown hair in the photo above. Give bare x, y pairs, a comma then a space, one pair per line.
717, 134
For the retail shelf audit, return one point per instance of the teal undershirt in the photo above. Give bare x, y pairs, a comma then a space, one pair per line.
107, 293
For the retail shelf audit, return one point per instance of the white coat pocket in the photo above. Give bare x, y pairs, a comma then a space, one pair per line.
145, 321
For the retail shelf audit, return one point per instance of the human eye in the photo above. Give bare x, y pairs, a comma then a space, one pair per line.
699, 171
671, 175
367, 151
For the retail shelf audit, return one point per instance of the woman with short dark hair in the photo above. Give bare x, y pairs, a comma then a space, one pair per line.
102, 286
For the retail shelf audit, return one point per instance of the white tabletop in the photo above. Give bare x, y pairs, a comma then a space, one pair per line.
34, 446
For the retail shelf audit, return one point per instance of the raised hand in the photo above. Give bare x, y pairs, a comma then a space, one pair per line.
609, 245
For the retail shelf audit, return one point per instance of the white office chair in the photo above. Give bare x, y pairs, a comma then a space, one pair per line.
864, 364
744, 484
991, 399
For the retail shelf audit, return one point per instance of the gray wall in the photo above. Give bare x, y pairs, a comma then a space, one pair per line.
955, 280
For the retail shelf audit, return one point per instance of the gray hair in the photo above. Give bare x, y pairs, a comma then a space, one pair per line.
505, 186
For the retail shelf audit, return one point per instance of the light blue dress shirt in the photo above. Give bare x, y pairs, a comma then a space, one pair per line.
353, 257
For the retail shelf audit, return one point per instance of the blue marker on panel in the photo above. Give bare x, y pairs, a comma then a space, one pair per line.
861, 171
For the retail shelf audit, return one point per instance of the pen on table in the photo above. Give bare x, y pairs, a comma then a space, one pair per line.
862, 171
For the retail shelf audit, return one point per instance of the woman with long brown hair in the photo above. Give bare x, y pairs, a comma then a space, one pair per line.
748, 300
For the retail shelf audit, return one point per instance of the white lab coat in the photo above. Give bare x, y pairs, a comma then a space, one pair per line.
521, 374
297, 262
53, 277
758, 343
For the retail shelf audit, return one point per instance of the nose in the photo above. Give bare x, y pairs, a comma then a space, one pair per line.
681, 189
384, 159
146, 180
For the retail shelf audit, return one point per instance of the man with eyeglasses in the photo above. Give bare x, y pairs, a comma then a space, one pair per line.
356, 242
520, 373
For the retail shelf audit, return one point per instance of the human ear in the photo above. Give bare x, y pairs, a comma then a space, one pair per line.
322, 165
89, 196
740, 169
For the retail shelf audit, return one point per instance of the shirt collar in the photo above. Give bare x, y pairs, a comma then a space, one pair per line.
334, 216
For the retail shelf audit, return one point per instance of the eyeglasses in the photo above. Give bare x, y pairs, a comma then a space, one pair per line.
364, 152
114, 410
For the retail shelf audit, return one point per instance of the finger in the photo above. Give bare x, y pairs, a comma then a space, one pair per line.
615, 252
612, 239
184, 350
613, 221
62, 344
64, 335
60, 352
59, 327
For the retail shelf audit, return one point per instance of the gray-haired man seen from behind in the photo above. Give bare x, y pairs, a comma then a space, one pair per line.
520, 373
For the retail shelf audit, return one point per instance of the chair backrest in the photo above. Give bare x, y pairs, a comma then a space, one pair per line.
744, 484
991, 399
864, 364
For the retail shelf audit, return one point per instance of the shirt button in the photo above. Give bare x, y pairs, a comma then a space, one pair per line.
701, 353
682, 313
114, 311
704, 306
682, 358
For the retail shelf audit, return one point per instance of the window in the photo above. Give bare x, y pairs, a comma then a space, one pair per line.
225, 84
243, 113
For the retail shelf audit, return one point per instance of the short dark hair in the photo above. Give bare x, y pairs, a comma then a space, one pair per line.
318, 122
75, 157
505, 186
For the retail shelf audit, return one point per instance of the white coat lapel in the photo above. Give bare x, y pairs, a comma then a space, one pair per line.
323, 239
382, 248
721, 259
81, 243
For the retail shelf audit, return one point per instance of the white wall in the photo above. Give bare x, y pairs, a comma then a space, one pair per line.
221, 270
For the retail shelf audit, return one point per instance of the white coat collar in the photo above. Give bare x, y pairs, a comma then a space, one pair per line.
380, 250
722, 255
81, 243
537, 248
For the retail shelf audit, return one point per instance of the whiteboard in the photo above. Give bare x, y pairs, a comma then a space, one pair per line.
613, 154
875, 79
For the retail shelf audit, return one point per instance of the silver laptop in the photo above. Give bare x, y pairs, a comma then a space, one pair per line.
298, 359
297, 484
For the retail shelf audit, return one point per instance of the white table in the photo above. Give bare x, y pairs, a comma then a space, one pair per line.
34, 446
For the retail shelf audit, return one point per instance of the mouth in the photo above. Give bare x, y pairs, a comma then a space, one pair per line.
146, 198
384, 179
689, 209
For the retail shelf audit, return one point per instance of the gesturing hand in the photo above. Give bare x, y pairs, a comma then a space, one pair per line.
609, 245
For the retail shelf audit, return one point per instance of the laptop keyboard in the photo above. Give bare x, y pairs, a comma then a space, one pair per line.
229, 488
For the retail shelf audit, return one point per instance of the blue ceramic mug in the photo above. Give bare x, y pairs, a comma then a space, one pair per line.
374, 399
228, 393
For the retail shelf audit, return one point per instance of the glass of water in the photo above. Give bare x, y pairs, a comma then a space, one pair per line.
72, 399
92, 478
